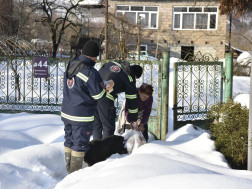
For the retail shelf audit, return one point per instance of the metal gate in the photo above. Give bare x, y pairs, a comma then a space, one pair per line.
198, 84
21, 91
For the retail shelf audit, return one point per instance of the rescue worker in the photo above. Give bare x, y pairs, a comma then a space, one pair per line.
124, 77
83, 86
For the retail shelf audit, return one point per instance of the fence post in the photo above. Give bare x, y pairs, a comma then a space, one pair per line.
249, 161
228, 76
165, 94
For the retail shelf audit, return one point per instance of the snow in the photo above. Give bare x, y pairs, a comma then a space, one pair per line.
91, 2
245, 58
240, 85
83, 2
32, 156
243, 99
68, 3
232, 47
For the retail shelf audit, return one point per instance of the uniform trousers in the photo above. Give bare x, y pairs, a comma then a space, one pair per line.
77, 136
104, 122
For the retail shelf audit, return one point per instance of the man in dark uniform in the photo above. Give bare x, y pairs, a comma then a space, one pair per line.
124, 77
83, 86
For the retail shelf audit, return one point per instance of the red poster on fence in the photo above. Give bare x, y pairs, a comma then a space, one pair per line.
40, 65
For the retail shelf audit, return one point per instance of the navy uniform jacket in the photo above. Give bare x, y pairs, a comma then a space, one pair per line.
124, 81
83, 86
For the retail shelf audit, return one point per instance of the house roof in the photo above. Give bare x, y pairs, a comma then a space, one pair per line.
92, 4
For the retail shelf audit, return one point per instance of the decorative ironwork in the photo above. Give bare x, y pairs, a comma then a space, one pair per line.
197, 86
150, 75
20, 91
199, 57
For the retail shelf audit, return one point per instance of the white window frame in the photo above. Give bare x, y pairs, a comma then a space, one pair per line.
137, 12
195, 13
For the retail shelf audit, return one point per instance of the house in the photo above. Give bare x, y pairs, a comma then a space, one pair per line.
180, 26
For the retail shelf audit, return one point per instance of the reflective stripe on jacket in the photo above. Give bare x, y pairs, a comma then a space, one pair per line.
124, 82
81, 92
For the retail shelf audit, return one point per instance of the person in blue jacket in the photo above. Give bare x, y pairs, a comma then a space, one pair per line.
124, 77
83, 87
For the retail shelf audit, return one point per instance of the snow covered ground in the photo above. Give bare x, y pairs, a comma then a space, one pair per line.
32, 156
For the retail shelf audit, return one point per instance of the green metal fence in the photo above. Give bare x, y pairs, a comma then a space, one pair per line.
21, 91
198, 84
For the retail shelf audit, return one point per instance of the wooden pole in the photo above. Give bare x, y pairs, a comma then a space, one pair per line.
106, 30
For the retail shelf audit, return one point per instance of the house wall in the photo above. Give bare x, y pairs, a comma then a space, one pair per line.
166, 38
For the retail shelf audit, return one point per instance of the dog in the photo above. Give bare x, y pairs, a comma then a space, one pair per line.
100, 150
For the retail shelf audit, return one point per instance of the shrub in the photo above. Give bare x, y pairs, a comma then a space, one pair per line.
228, 123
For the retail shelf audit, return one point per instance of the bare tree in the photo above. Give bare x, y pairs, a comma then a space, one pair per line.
241, 32
58, 16
6, 21
23, 17
234, 7
121, 31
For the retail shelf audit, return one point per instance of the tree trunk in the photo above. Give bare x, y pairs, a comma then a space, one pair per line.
55, 44
55, 49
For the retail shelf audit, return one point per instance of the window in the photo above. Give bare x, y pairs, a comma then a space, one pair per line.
188, 21
135, 8
148, 15
212, 21
187, 52
201, 21
195, 18
177, 21
122, 7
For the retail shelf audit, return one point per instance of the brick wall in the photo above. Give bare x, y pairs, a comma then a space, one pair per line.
166, 38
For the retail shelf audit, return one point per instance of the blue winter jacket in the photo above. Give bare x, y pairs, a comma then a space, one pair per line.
83, 86
124, 79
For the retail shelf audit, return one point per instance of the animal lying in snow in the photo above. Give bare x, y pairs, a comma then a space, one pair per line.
100, 150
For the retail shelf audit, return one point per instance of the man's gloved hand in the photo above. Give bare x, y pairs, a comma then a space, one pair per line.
134, 125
